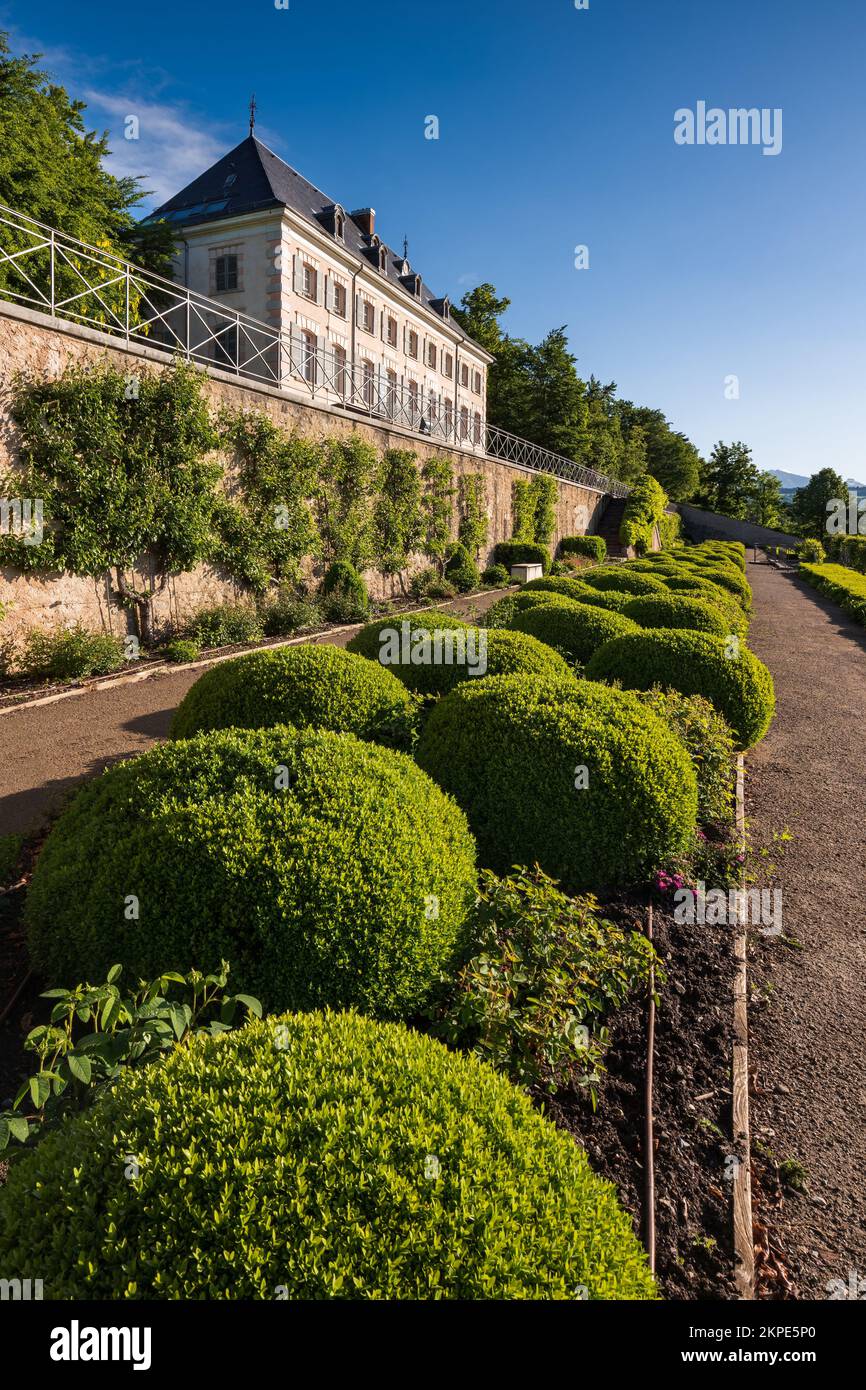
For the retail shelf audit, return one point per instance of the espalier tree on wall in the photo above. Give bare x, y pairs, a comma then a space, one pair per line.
131, 473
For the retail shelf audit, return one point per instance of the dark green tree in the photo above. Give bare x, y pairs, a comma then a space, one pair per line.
809, 508
729, 480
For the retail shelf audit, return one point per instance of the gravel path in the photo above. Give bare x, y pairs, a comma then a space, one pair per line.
808, 1046
46, 750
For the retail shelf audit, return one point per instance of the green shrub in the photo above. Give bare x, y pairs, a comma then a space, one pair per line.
10, 856
572, 628
643, 512
812, 552
568, 587
670, 526
729, 578
844, 586
624, 580
511, 749
496, 577
319, 687
226, 625
510, 553
675, 610
432, 656
311, 1157
545, 967
461, 570
708, 740
288, 612
344, 594
593, 546
500, 614
613, 600
307, 859
181, 650
733, 551
69, 654
692, 586
695, 663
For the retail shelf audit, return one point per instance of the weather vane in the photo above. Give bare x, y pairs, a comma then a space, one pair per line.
405, 248
252, 112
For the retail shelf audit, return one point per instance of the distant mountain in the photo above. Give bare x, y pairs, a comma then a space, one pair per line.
791, 481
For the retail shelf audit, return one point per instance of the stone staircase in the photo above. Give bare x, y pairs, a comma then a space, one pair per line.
608, 528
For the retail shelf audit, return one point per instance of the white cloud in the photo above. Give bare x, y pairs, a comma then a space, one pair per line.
172, 146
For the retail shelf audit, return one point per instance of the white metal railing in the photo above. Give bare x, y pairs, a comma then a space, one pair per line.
49, 271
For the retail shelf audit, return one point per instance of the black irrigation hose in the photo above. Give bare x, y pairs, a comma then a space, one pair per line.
650, 1189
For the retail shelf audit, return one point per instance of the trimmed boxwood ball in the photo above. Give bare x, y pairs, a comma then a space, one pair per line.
510, 748
695, 663
614, 600
305, 858
500, 614
557, 584
292, 1158
574, 628
318, 686
626, 581
728, 578
674, 610
691, 586
434, 665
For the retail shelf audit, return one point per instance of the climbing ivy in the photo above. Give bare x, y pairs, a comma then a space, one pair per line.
437, 476
474, 523
522, 512
343, 500
544, 492
121, 463
265, 522
397, 511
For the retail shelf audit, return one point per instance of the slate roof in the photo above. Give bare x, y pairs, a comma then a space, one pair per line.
251, 178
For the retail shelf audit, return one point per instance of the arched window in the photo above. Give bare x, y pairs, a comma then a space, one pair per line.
383, 259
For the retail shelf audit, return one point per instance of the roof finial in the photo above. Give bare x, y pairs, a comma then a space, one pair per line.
252, 112
405, 248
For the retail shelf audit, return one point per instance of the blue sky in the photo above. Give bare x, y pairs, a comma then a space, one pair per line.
556, 130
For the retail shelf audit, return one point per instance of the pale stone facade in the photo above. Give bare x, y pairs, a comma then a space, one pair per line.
357, 325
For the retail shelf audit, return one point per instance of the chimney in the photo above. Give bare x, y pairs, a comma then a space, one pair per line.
366, 220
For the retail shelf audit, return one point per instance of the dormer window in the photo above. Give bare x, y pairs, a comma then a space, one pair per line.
383, 259
415, 286
339, 226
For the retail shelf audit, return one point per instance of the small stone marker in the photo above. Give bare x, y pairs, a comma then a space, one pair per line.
523, 573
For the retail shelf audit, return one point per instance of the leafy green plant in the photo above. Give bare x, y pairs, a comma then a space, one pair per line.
123, 464
623, 579
545, 972
10, 857
461, 570
343, 495
574, 629
319, 686
812, 552
643, 512
496, 577
95, 1031
437, 476
316, 1156
328, 870
707, 738
593, 547
676, 610
344, 594
515, 552
695, 663
226, 625
397, 511
579, 779
544, 491
285, 612
522, 512
266, 526
181, 650
844, 586
474, 523
69, 654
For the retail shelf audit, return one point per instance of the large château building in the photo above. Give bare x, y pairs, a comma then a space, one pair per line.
349, 320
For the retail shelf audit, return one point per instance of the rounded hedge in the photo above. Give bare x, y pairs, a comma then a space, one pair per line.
729, 578
428, 660
573, 628
695, 663
320, 686
317, 1156
394, 636
624, 580
614, 600
305, 858
510, 750
673, 610
500, 613
557, 584
693, 586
